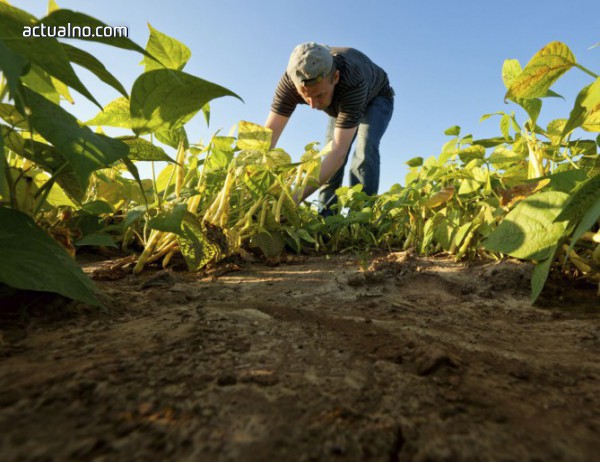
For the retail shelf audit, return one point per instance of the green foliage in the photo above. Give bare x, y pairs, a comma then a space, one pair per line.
530, 192
52, 165
32, 260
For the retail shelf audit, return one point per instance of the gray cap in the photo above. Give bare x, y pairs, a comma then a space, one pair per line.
309, 63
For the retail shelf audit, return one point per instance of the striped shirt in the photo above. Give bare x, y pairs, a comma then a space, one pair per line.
361, 80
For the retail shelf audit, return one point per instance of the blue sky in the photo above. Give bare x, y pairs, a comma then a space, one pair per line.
444, 59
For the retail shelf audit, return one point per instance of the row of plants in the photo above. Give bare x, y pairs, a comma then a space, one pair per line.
532, 193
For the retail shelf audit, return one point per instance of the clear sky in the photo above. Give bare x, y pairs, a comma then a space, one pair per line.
444, 59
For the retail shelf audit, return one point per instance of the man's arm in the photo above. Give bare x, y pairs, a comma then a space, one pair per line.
277, 123
332, 162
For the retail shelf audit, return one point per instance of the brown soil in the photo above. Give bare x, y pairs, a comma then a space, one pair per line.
315, 359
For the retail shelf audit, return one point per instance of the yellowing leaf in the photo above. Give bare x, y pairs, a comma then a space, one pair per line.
546, 66
440, 197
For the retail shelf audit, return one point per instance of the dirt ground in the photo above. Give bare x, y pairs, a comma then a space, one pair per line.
395, 358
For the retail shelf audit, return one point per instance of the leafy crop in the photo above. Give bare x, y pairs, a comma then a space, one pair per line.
532, 193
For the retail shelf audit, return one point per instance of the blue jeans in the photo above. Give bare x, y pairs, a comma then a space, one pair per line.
364, 168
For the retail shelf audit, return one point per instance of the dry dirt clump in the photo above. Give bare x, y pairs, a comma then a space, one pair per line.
403, 359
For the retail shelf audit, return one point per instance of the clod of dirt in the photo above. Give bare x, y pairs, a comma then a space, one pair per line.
433, 359
161, 279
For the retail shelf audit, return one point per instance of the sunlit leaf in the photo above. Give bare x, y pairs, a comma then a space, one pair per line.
415, 162
171, 53
143, 150
41, 82
167, 99
252, 136
530, 231
115, 114
586, 105
546, 66
85, 150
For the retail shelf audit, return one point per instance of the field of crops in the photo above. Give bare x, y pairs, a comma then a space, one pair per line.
69, 191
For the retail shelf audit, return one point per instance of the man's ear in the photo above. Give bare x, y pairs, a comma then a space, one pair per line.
336, 77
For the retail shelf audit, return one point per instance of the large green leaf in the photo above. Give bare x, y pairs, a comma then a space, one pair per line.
583, 208
69, 19
546, 66
13, 66
169, 221
586, 104
141, 149
115, 114
32, 260
84, 150
171, 53
167, 99
529, 231
41, 82
46, 52
196, 247
95, 66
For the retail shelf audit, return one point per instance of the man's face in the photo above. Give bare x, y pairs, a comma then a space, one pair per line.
319, 95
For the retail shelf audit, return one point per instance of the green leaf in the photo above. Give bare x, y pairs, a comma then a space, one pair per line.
32, 260
566, 181
98, 207
167, 99
143, 150
472, 152
13, 66
586, 104
452, 131
197, 249
252, 136
529, 231
89, 62
511, 69
41, 82
582, 199
85, 150
115, 114
170, 53
271, 244
589, 219
503, 157
52, 6
415, 162
546, 66
69, 19
46, 52
173, 137
12, 116
540, 274
490, 142
4, 189
47, 158
170, 221
97, 239
533, 107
